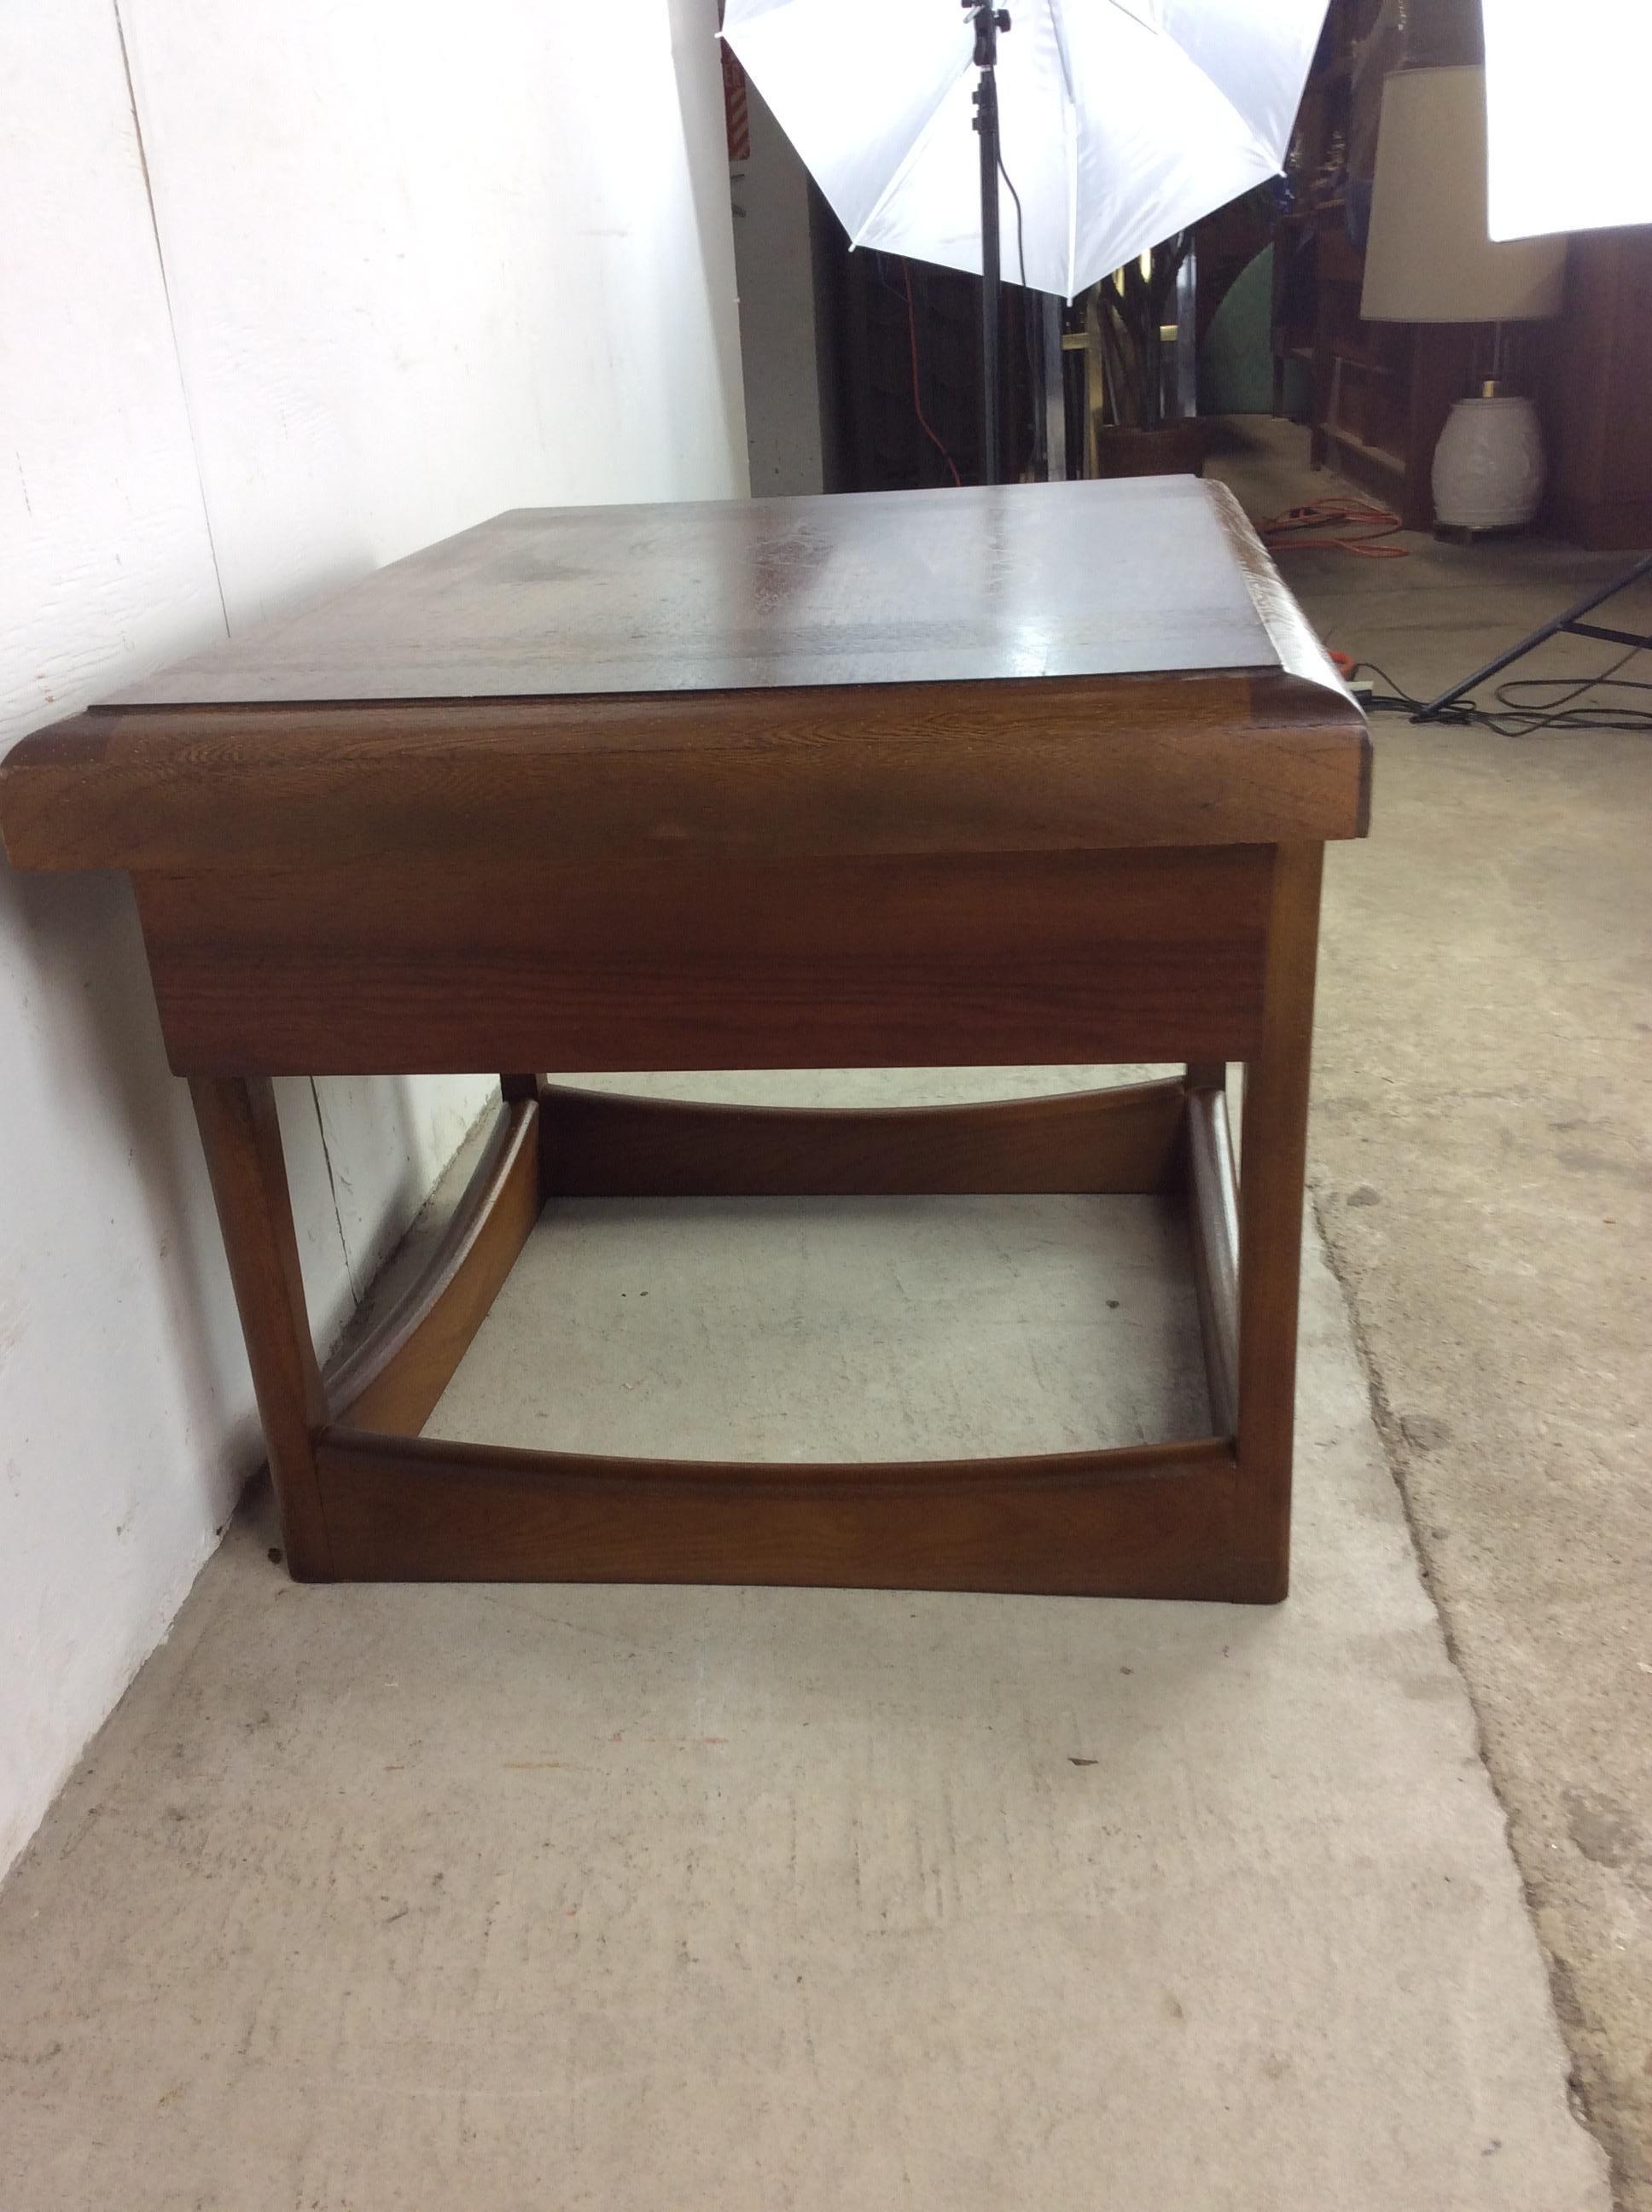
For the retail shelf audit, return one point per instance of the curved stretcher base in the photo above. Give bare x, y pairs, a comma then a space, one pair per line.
363, 1495
1158, 1521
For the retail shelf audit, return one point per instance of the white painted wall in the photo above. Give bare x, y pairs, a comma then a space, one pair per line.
395, 266
774, 255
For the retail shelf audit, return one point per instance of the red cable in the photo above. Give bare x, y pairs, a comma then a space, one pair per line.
917, 403
1364, 522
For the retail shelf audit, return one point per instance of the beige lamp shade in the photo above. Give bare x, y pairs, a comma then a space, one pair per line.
1430, 257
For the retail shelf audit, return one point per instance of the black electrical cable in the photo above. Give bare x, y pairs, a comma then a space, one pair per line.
1511, 719
1020, 236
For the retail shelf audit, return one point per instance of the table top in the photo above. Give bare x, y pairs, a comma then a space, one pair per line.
1103, 579
1025, 667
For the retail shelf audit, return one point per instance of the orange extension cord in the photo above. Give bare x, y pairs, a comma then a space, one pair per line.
1362, 524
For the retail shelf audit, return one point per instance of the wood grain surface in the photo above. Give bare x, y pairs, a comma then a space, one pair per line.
240, 1136
1149, 1521
1272, 1164
1037, 774
962, 746
1082, 764
601, 1144
392, 1379
988, 582
686, 964
1214, 1222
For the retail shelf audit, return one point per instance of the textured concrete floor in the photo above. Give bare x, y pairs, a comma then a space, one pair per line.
410, 1896
524, 1897
1482, 1165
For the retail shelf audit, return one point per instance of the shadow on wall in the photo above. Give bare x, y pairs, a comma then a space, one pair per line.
127, 1425
363, 1154
110, 1123
97, 1121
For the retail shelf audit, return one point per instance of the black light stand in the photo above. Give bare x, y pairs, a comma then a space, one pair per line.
989, 21
1570, 622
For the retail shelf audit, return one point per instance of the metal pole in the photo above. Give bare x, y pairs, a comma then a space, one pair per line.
1055, 391
1570, 621
989, 21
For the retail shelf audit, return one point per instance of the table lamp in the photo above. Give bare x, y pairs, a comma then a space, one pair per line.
1430, 258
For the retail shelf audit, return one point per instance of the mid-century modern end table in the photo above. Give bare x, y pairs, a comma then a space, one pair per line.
1032, 774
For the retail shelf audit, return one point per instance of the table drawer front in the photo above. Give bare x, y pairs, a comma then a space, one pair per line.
695, 964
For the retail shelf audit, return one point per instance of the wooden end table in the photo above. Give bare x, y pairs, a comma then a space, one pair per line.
1037, 774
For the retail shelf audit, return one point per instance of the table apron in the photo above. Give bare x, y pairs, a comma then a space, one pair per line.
682, 961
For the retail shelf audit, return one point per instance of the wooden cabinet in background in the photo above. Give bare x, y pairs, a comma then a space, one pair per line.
1598, 394
1380, 390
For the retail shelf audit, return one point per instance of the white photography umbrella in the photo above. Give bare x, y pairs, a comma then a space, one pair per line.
1120, 121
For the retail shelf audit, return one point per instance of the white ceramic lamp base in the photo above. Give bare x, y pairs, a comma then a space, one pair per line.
1488, 465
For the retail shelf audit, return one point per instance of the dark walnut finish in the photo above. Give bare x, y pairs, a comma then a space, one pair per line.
682, 962
596, 1144
1029, 774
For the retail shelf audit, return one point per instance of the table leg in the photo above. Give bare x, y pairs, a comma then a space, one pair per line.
1206, 1518
1271, 1167
242, 1140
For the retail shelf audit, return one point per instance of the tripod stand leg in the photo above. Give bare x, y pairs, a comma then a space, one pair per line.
1562, 621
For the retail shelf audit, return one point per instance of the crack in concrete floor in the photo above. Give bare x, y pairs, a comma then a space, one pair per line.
1481, 1167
